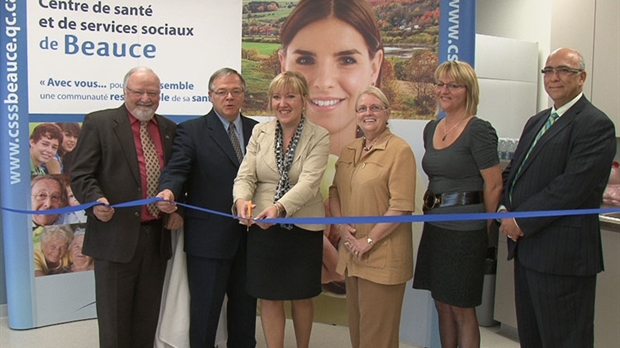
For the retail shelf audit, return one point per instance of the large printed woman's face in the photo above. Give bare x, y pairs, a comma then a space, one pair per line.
334, 58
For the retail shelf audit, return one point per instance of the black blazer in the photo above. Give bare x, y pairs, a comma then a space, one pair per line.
567, 169
201, 172
106, 165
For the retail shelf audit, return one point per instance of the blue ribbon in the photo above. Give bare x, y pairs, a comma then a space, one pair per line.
341, 219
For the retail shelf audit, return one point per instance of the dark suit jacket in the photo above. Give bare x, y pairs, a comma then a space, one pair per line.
106, 165
567, 169
201, 173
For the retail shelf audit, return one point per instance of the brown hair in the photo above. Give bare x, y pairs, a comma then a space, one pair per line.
73, 129
48, 130
356, 13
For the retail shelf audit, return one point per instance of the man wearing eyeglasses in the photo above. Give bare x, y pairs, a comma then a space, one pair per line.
46, 193
118, 159
562, 162
206, 155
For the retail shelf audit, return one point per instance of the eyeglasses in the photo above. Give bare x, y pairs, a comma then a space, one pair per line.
451, 86
372, 108
43, 196
138, 94
221, 93
561, 70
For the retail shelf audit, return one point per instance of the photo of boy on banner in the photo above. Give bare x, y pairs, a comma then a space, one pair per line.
45, 141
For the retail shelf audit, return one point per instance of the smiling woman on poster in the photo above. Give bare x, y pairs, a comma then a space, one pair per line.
51, 253
337, 46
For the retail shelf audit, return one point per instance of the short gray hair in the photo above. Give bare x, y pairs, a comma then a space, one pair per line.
225, 72
135, 70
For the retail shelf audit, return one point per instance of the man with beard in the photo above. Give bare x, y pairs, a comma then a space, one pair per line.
118, 159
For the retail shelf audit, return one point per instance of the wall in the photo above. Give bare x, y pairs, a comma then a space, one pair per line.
605, 72
590, 26
506, 19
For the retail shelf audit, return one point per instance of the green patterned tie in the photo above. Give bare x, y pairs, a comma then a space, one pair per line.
550, 121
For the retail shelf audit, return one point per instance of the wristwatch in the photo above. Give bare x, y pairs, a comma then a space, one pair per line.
370, 241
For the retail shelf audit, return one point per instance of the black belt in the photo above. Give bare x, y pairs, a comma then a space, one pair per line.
451, 199
151, 223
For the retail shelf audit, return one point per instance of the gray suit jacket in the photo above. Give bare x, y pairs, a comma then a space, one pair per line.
567, 169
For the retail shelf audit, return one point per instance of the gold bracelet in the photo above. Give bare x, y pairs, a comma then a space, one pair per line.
280, 209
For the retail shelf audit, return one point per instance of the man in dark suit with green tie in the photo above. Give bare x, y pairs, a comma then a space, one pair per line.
562, 162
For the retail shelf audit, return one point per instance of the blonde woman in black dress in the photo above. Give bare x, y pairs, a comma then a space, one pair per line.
280, 176
464, 175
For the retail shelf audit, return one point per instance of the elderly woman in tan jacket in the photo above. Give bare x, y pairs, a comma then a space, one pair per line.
280, 176
375, 175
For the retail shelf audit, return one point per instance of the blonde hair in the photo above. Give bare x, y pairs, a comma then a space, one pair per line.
372, 90
289, 81
463, 74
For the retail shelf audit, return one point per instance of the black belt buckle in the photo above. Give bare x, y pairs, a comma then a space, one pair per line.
430, 201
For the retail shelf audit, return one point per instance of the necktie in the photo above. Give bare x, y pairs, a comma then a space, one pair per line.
232, 134
550, 121
152, 166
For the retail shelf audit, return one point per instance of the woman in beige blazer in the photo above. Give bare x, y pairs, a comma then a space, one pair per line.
375, 175
280, 176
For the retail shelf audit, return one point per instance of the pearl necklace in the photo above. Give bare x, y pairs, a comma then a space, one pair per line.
445, 134
368, 148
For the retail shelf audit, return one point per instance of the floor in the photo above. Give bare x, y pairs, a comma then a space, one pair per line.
84, 334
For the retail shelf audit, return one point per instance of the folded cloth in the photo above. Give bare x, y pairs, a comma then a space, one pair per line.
173, 326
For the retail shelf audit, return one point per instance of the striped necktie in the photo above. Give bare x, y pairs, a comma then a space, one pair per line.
232, 134
550, 121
